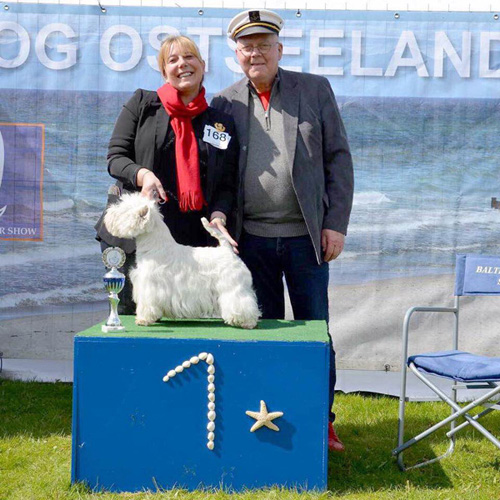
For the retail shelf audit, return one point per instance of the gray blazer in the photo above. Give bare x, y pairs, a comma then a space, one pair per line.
316, 142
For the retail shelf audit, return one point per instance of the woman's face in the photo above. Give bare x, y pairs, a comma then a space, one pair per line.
184, 71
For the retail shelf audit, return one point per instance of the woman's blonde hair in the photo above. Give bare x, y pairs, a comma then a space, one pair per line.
184, 42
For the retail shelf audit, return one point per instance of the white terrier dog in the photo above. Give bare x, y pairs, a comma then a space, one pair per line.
177, 281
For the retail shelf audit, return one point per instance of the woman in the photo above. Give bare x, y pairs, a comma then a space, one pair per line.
170, 145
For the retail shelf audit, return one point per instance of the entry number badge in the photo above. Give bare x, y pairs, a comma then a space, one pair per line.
215, 137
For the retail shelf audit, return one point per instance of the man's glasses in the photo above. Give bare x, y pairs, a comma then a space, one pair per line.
262, 48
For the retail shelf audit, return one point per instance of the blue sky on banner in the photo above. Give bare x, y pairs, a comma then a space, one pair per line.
362, 53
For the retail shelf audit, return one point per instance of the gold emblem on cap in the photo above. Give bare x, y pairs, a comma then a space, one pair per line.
219, 127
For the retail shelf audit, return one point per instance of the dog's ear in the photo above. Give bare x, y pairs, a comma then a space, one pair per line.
143, 212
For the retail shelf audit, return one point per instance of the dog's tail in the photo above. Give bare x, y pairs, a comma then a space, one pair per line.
213, 231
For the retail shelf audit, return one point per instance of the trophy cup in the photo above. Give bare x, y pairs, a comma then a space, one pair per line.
114, 281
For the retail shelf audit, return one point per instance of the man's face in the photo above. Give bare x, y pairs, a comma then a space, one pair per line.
259, 67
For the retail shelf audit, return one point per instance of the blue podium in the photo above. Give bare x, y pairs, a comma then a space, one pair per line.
194, 404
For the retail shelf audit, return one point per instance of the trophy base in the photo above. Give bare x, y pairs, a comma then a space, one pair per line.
107, 329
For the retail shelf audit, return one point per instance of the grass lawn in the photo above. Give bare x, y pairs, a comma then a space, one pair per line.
35, 453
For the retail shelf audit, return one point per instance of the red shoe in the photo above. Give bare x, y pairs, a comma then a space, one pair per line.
334, 443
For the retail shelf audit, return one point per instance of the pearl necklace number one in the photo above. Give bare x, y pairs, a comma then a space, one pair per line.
209, 360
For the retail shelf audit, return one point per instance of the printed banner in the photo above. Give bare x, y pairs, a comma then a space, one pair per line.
418, 94
21, 174
362, 54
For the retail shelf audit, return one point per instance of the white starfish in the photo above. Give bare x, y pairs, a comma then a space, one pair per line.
264, 418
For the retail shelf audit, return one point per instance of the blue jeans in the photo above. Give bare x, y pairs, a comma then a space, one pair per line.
269, 259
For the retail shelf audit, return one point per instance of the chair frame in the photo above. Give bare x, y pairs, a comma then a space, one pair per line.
456, 410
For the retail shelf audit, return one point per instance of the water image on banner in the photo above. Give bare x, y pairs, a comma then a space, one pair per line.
417, 199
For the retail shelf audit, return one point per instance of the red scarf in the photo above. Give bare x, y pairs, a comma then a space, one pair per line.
186, 148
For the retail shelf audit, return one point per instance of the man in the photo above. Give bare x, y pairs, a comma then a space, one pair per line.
296, 179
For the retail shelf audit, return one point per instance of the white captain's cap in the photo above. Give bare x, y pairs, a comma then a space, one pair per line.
251, 22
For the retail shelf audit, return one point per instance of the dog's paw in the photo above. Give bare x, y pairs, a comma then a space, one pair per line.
247, 324
142, 322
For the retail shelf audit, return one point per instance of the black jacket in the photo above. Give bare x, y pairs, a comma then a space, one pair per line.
138, 137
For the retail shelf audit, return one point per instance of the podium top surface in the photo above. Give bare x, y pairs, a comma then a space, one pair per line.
215, 329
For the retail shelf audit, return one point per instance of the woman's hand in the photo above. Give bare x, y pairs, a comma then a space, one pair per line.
151, 185
218, 220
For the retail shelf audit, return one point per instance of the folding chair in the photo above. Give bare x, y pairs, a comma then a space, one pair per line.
475, 275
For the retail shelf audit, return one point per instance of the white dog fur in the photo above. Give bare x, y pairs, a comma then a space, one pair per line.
177, 281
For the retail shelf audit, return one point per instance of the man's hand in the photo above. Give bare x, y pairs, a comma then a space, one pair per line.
332, 244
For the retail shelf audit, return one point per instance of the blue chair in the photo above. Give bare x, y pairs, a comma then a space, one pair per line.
475, 275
